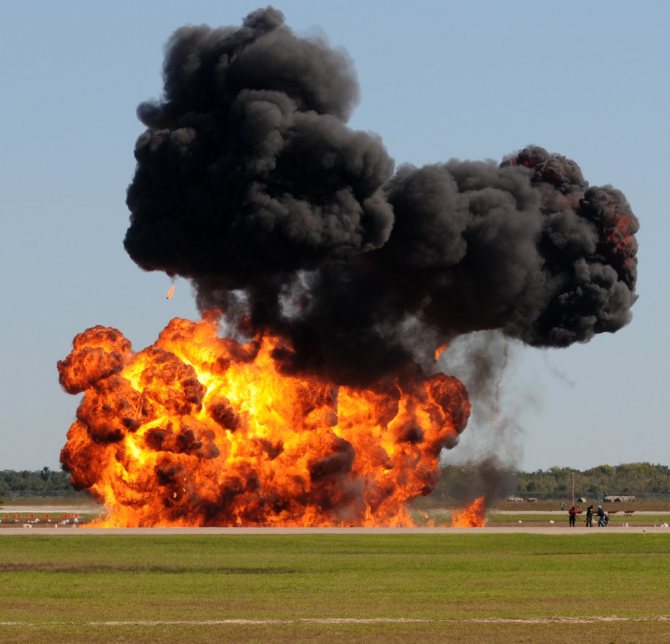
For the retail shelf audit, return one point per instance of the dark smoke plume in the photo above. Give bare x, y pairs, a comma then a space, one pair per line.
488, 477
250, 184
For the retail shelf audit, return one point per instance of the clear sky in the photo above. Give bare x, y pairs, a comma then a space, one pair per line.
439, 80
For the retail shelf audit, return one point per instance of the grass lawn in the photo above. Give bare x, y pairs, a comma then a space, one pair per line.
312, 588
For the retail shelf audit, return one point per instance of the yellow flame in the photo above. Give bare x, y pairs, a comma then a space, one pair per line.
440, 350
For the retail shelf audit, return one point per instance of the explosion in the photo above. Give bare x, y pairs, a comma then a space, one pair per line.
201, 430
341, 280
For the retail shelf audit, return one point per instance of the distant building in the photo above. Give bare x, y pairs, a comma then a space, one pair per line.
514, 499
619, 498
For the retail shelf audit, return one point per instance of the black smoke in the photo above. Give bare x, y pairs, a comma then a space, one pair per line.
250, 184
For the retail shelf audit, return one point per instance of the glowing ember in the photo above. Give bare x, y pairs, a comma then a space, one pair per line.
440, 350
471, 517
198, 430
170, 293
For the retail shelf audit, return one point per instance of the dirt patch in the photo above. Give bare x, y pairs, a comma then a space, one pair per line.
589, 619
50, 567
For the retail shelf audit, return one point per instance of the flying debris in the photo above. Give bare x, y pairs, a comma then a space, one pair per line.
440, 350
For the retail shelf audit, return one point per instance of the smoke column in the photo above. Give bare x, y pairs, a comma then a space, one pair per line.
250, 184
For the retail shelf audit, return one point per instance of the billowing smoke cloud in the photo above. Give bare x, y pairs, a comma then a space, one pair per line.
250, 184
479, 360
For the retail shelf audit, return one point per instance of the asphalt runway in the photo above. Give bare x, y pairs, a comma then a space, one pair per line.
73, 531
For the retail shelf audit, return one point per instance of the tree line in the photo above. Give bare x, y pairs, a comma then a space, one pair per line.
44, 482
457, 482
636, 479
491, 479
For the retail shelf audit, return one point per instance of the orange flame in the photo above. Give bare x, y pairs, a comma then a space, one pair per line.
474, 516
170, 292
199, 430
621, 234
440, 350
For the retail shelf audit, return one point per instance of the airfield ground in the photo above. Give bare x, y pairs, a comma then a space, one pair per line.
25, 517
73, 530
484, 585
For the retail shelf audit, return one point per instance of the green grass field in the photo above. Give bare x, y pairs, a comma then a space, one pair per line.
498, 588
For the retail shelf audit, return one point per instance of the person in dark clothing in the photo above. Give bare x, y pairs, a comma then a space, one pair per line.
602, 517
589, 516
572, 513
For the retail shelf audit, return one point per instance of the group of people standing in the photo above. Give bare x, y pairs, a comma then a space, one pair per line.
600, 513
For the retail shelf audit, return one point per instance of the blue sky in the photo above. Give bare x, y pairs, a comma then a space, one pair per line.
438, 80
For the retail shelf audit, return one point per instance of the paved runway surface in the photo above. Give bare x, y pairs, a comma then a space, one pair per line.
73, 531
42, 529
